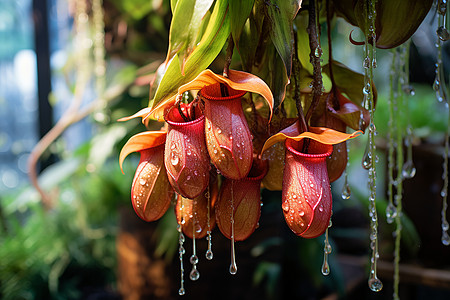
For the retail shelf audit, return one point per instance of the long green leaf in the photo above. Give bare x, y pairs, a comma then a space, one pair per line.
239, 12
281, 14
209, 47
186, 22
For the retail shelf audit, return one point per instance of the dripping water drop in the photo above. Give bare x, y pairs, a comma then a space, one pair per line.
375, 284
391, 213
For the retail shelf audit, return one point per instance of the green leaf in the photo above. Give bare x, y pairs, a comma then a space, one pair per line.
281, 14
239, 12
173, 4
279, 78
209, 47
186, 22
303, 49
249, 45
348, 81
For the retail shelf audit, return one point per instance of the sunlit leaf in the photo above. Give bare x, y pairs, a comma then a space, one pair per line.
140, 142
209, 47
237, 80
185, 25
321, 134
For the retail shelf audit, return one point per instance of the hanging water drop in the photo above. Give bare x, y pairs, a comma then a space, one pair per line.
375, 284
445, 238
346, 192
391, 213
325, 266
443, 33
367, 159
195, 274
408, 170
209, 255
366, 62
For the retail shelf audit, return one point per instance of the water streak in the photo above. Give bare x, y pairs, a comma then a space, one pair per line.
233, 266
195, 274
326, 251
181, 251
369, 160
209, 254
441, 95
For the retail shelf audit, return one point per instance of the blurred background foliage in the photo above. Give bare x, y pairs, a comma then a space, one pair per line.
69, 251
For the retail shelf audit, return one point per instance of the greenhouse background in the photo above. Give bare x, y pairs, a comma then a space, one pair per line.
69, 69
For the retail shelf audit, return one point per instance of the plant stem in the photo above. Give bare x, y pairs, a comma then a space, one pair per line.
230, 49
314, 55
303, 126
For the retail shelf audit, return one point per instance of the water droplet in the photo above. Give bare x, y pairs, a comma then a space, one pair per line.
174, 158
367, 161
325, 268
408, 170
346, 192
366, 62
285, 206
302, 213
194, 275
391, 213
188, 152
408, 89
320, 208
198, 228
142, 181
193, 259
233, 269
443, 33
375, 284
209, 255
181, 291
318, 52
445, 226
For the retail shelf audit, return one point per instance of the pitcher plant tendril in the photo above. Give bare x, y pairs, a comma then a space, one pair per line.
370, 159
442, 96
209, 253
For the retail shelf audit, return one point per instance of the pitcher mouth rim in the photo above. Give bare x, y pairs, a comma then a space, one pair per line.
174, 123
239, 94
291, 149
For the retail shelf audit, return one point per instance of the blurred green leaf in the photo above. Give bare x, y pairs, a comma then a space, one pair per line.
272, 273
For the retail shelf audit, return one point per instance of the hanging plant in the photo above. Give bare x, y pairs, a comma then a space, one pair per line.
282, 124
